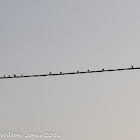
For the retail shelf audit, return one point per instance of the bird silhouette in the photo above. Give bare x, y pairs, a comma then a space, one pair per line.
103, 69
132, 66
15, 75
77, 71
88, 70
50, 73
60, 72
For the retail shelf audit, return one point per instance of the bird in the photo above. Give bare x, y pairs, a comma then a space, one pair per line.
88, 70
50, 73
60, 72
77, 71
103, 69
15, 75
132, 66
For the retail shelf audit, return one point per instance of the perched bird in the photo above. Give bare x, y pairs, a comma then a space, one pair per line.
77, 71
60, 72
88, 70
132, 66
103, 69
50, 73
15, 75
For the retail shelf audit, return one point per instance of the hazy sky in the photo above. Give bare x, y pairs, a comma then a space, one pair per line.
39, 36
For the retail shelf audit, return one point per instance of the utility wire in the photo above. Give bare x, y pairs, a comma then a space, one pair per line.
68, 73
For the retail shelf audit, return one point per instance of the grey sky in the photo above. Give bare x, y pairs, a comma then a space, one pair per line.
39, 36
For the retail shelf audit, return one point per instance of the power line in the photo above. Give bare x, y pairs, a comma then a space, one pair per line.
68, 73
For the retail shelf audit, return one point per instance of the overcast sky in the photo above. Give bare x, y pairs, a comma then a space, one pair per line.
39, 36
